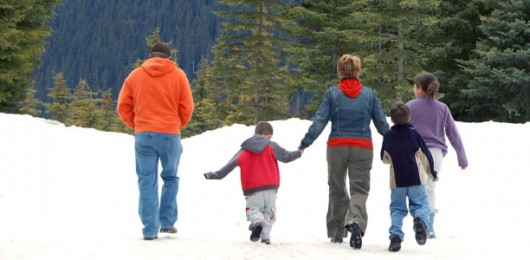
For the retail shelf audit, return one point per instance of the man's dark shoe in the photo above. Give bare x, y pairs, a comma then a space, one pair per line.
395, 244
256, 232
420, 228
336, 240
150, 237
356, 240
171, 230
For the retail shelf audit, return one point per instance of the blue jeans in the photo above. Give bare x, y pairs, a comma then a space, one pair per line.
418, 206
149, 149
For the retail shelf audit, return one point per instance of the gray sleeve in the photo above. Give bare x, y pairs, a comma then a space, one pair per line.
229, 167
283, 155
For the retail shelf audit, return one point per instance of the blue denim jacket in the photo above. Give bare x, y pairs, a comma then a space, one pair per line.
350, 117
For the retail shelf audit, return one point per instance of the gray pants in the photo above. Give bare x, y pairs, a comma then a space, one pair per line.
343, 208
261, 208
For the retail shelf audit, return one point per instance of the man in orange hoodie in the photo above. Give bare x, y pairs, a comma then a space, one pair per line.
156, 101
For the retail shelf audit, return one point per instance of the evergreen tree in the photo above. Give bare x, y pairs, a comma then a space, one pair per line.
454, 38
22, 33
31, 104
251, 42
391, 46
323, 31
500, 74
58, 108
110, 120
83, 109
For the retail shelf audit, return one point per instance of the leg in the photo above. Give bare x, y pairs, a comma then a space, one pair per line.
255, 207
170, 149
338, 194
147, 172
437, 156
269, 213
359, 166
398, 211
419, 209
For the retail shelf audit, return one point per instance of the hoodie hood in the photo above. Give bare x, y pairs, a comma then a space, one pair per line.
255, 144
350, 87
157, 67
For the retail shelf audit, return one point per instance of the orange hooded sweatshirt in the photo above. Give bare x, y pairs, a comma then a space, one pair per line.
156, 97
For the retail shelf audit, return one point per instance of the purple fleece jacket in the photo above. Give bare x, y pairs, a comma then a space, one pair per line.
433, 120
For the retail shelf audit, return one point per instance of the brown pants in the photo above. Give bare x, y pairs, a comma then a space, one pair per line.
343, 208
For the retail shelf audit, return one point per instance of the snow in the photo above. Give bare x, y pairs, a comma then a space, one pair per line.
71, 193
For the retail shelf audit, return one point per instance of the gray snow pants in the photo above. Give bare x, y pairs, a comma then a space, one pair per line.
261, 208
343, 208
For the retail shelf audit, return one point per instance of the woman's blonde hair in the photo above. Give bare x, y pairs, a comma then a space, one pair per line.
349, 66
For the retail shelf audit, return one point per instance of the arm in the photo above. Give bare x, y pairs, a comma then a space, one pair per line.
455, 140
378, 116
125, 107
229, 167
283, 155
319, 122
426, 158
186, 104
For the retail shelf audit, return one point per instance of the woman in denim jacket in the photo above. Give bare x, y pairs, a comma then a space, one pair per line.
350, 107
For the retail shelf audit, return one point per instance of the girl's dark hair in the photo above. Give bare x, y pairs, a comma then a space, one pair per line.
263, 128
428, 83
400, 113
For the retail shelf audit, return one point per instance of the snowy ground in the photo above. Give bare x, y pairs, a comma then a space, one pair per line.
71, 193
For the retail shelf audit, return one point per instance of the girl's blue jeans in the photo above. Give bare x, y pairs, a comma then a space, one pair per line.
418, 207
150, 148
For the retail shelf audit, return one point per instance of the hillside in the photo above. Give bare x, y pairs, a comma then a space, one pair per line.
100, 40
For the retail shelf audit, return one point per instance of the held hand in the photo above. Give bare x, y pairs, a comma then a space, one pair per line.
301, 151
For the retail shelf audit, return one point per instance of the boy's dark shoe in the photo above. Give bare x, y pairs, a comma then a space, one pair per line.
336, 240
256, 232
150, 237
171, 230
420, 228
395, 244
356, 240
266, 241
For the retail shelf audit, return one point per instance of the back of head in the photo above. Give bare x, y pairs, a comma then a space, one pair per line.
399, 113
428, 83
349, 67
263, 128
160, 50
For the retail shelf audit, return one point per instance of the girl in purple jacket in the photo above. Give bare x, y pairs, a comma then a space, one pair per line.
433, 121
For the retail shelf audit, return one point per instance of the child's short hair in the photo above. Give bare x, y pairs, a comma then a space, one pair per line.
263, 128
399, 113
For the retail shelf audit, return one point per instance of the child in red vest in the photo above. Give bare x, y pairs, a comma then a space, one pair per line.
260, 178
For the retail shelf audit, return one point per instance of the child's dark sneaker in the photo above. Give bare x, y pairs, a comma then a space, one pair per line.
266, 241
336, 240
420, 228
395, 244
356, 239
256, 232
171, 230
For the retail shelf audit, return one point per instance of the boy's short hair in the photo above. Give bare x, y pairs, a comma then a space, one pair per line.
400, 113
263, 128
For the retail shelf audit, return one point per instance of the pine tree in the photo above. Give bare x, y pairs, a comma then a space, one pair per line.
391, 45
22, 33
31, 104
58, 108
250, 44
107, 113
323, 31
83, 109
500, 85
